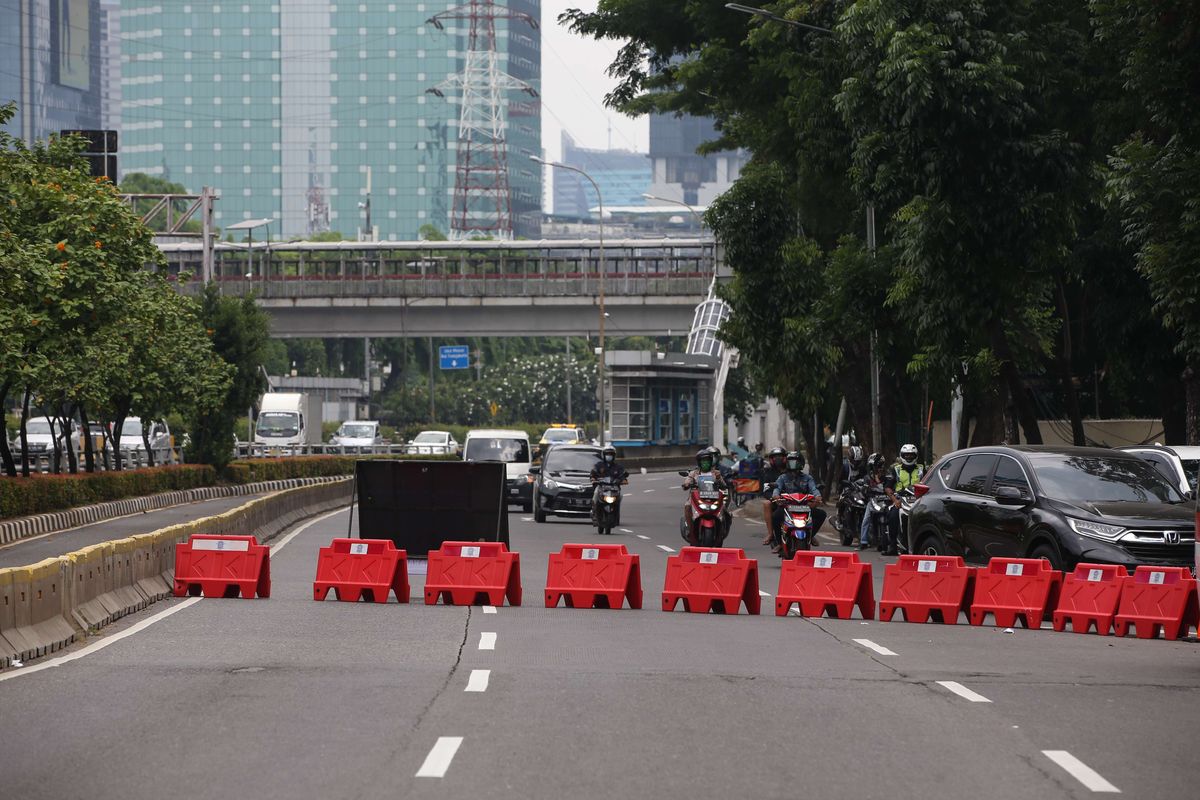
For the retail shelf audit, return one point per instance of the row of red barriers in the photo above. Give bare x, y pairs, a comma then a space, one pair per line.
1153, 600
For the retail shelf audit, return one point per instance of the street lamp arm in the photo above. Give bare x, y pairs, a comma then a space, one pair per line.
762, 12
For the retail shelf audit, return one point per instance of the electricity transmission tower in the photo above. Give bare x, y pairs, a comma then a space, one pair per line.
482, 199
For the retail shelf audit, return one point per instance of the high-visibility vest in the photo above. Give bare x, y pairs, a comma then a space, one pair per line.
906, 479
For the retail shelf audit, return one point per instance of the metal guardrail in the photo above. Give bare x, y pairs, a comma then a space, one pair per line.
43, 462
257, 450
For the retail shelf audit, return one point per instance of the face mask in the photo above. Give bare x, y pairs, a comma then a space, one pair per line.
793, 465
608, 458
705, 466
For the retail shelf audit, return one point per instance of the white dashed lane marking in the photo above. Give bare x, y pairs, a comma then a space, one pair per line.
478, 682
487, 640
647, 491
489, 609
625, 530
1080, 771
867, 643
666, 549
439, 758
640, 536
763, 594
963, 692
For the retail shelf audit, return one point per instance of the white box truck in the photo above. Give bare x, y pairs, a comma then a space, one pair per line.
288, 419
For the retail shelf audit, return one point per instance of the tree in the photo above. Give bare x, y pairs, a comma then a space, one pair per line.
1155, 177
239, 332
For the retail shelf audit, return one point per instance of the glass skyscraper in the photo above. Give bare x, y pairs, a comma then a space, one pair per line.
285, 106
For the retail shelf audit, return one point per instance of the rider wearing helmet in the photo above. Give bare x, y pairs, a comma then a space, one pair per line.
774, 466
877, 479
707, 461
607, 468
857, 458
794, 480
902, 477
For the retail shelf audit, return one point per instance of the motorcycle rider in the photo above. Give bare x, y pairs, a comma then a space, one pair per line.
774, 467
607, 468
857, 460
706, 462
904, 476
795, 480
878, 477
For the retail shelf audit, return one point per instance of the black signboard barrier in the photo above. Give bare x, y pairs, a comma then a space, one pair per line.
420, 504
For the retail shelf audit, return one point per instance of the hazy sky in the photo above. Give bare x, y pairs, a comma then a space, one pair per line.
573, 88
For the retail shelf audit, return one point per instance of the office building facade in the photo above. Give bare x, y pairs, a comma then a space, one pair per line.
679, 172
285, 107
622, 175
50, 65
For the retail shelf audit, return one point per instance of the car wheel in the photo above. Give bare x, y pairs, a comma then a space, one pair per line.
930, 545
538, 514
1050, 553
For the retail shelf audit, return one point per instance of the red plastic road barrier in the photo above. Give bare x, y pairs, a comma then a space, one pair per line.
594, 576
473, 573
1090, 596
222, 566
826, 583
1015, 589
715, 579
922, 586
1157, 599
366, 568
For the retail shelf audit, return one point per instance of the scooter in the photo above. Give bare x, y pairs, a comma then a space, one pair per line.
907, 499
608, 506
710, 522
877, 507
796, 529
851, 506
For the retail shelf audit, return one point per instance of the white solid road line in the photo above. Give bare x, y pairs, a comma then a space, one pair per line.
478, 682
146, 623
963, 692
489, 609
439, 758
487, 640
1080, 771
867, 643
666, 549
640, 536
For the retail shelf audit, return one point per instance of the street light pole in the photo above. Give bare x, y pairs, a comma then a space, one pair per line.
603, 272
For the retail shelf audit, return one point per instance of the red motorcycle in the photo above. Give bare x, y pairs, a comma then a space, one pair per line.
710, 524
796, 529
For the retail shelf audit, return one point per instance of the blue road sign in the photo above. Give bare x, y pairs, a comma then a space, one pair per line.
455, 356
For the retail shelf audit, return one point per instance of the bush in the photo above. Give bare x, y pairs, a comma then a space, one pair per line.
253, 470
40, 494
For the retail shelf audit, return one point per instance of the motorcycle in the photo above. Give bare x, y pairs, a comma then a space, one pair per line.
608, 506
907, 499
710, 520
851, 506
796, 530
877, 506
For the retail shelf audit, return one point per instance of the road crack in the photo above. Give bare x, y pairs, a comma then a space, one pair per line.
449, 676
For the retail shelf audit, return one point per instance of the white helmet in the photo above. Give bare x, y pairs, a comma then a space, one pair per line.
908, 455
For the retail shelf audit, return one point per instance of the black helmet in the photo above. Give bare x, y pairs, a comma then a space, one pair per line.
758, 447
875, 462
776, 457
795, 461
704, 459
609, 454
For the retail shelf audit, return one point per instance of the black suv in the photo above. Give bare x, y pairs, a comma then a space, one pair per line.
563, 483
1065, 504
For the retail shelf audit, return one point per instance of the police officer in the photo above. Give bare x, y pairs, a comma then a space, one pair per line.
904, 476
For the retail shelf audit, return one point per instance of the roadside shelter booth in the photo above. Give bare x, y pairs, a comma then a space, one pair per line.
659, 401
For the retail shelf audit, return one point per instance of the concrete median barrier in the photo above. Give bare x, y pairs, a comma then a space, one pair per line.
48, 605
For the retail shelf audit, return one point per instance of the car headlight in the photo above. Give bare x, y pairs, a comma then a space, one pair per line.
549, 484
1096, 530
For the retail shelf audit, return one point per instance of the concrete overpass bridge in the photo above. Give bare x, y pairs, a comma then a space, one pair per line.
445, 289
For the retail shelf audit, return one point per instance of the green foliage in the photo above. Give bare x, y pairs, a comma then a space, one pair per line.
41, 494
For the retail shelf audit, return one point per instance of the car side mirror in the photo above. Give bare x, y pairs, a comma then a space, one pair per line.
683, 473
1010, 496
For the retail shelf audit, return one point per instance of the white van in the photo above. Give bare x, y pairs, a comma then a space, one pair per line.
511, 447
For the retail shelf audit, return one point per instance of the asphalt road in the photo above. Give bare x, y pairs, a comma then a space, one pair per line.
50, 545
290, 698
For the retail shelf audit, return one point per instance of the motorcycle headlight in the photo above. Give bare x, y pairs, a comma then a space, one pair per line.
547, 483
1095, 530
608, 498
707, 507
